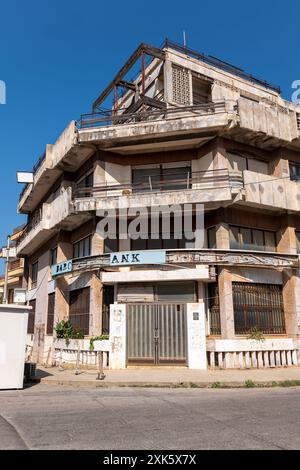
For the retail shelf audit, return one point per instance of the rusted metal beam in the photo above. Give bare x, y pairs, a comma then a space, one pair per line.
125, 84
143, 48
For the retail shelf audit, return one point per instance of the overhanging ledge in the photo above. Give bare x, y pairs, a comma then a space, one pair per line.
198, 257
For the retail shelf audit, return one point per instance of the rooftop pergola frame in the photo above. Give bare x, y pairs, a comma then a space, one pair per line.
119, 81
133, 92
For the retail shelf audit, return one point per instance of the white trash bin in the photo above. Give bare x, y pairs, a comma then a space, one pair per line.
13, 332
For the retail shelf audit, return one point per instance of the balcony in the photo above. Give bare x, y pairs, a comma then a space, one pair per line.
172, 127
210, 187
62, 155
271, 192
52, 216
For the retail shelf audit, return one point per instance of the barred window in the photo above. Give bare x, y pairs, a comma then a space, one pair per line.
258, 306
79, 312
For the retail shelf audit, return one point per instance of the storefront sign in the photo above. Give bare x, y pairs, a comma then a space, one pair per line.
127, 258
61, 268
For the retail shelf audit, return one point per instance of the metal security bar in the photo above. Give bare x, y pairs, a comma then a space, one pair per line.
156, 333
259, 306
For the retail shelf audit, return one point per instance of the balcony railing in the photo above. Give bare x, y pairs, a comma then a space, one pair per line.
34, 171
106, 118
200, 180
35, 220
16, 264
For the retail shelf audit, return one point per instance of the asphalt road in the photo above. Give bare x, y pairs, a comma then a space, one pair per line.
51, 417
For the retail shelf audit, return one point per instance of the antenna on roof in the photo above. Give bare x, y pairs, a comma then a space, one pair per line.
184, 39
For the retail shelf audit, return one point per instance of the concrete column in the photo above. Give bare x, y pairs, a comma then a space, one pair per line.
168, 85
61, 309
279, 166
196, 336
41, 308
286, 240
226, 304
117, 357
96, 292
222, 236
219, 158
97, 244
291, 302
99, 174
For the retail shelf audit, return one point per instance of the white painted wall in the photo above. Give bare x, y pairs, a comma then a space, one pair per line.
117, 335
196, 336
13, 333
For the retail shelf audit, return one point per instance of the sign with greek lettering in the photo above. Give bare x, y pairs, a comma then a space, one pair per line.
61, 268
128, 258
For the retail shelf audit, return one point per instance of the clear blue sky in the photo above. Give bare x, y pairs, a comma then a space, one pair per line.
56, 56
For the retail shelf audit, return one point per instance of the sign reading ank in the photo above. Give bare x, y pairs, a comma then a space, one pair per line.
126, 258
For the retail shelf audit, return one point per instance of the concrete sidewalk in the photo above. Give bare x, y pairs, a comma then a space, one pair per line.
171, 377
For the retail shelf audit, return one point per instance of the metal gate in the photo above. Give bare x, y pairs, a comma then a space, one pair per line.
156, 334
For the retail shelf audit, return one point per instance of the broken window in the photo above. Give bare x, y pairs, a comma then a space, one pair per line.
201, 90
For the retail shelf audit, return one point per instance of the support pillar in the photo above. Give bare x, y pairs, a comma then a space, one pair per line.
222, 236
226, 304
196, 336
117, 357
41, 308
291, 302
96, 293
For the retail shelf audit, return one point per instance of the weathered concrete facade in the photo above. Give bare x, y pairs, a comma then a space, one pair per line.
187, 130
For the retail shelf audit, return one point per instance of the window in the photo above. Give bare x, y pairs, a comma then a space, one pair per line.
162, 243
87, 181
259, 306
211, 237
111, 245
79, 311
297, 241
214, 309
294, 171
82, 247
243, 238
201, 90
34, 273
108, 299
31, 317
161, 178
241, 163
50, 316
53, 256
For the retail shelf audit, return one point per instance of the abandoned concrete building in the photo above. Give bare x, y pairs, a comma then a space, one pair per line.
187, 129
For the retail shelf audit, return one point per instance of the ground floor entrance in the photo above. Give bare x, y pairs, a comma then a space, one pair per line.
156, 334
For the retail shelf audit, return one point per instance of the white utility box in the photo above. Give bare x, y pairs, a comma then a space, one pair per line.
13, 332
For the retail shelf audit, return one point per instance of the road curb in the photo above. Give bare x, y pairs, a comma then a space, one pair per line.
186, 384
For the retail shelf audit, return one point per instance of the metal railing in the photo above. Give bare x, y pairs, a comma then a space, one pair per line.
35, 220
203, 180
34, 171
298, 120
109, 117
